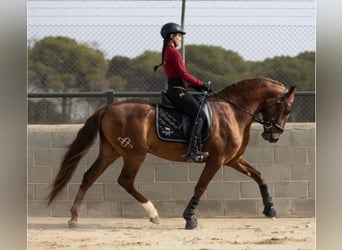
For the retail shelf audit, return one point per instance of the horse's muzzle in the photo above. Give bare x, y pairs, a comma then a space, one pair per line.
271, 137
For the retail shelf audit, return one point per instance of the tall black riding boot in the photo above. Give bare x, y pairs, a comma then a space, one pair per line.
195, 145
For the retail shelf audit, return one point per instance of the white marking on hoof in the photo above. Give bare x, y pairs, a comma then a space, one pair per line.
155, 220
151, 211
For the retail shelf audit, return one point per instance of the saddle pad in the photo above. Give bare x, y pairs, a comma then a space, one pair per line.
172, 125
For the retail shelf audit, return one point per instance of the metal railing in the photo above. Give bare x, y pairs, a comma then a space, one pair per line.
303, 110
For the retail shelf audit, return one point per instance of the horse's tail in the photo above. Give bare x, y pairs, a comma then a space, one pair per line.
77, 149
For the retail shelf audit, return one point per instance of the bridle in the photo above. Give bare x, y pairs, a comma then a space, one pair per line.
271, 122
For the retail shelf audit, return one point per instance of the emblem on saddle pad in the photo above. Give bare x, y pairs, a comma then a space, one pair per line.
125, 142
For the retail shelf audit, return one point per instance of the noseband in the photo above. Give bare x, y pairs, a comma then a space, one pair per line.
271, 122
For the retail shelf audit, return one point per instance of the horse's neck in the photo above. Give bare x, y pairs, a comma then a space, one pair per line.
249, 100
251, 96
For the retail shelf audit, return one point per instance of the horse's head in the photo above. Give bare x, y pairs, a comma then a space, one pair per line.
275, 116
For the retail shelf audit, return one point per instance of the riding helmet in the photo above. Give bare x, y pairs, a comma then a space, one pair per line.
171, 28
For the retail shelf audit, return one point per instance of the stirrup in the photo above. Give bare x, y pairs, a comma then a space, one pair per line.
197, 156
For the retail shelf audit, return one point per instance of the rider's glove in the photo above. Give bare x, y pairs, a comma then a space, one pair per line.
206, 87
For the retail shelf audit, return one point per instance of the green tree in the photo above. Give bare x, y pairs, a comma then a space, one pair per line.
299, 70
61, 64
138, 72
215, 64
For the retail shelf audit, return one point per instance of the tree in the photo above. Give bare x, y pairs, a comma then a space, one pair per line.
299, 70
61, 64
216, 64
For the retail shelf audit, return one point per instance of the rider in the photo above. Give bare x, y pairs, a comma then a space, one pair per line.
178, 81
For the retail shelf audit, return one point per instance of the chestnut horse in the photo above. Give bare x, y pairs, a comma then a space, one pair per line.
127, 129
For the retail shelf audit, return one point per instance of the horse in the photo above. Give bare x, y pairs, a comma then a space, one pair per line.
127, 129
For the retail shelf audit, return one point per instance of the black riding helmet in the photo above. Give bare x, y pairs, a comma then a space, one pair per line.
171, 28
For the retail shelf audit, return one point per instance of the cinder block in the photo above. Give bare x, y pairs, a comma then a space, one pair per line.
291, 190
223, 190
303, 137
62, 209
156, 191
249, 190
38, 209
48, 157
210, 208
260, 154
275, 172
240, 208
195, 171
62, 139
172, 173
303, 207
109, 176
287, 155
95, 192
253, 138
230, 174
39, 139
76, 177
42, 191
103, 209
303, 173
170, 209
182, 191
133, 209
116, 192
146, 174
39, 175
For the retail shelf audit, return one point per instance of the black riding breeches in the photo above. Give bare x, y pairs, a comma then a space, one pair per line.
185, 102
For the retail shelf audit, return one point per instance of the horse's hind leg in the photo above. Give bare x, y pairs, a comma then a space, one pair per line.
244, 167
106, 156
126, 180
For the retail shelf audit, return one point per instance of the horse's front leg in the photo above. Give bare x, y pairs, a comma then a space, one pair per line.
244, 167
207, 174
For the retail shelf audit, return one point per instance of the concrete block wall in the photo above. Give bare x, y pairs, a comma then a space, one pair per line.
288, 167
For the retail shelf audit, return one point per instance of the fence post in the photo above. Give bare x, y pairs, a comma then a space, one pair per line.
110, 96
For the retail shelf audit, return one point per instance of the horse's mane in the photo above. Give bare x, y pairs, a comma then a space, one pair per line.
137, 101
248, 83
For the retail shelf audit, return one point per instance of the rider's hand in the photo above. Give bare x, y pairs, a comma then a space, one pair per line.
206, 86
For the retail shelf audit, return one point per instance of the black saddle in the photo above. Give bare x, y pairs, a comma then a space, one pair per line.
173, 125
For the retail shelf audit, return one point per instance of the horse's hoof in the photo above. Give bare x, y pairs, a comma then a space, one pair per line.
191, 223
270, 212
155, 220
72, 223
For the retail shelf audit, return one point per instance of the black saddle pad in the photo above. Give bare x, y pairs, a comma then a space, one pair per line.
173, 125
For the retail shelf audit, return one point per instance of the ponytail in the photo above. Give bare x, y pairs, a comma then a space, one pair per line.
166, 41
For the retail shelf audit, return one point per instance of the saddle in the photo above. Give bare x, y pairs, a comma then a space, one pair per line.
174, 126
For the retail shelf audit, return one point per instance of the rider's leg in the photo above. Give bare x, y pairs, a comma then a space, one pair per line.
195, 144
185, 102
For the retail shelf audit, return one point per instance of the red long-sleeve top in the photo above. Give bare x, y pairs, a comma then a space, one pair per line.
174, 67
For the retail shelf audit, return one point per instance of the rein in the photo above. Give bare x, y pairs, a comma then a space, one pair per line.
267, 124
255, 118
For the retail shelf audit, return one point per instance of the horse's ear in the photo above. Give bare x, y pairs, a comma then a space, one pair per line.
291, 91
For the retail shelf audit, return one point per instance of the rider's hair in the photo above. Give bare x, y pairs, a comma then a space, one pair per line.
165, 43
